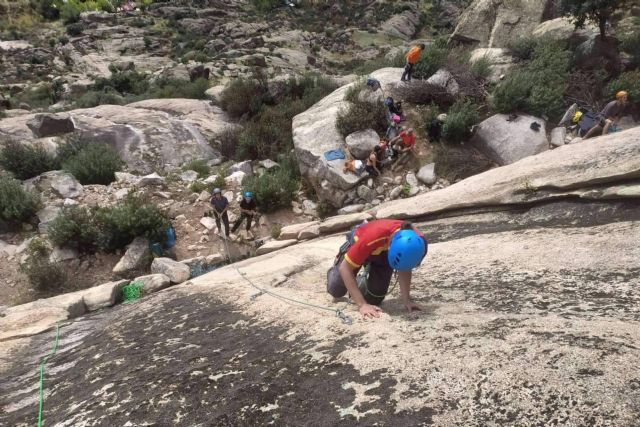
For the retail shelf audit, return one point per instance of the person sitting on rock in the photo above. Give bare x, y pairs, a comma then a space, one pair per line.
372, 165
412, 58
382, 153
610, 115
248, 209
404, 142
220, 205
381, 246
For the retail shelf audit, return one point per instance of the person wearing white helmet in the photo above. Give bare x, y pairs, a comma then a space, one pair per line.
220, 205
383, 246
248, 210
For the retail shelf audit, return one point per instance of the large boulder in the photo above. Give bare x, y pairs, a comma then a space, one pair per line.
104, 295
46, 216
506, 142
427, 174
275, 245
152, 282
362, 143
43, 125
135, 257
403, 25
499, 60
495, 23
444, 79
315, 133
564, 29
177, 272
56, 184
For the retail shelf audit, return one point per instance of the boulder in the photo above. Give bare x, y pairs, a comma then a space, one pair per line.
499, 59
506, 142
43, 125
315, 133
63, 254
292, 231
150, 180
564, 29
427, 174
412, 181
275, 245
135, 257
189, 176
153, 282
102, 296
350, 209
7, 250
558, 136
176, 271
46, 216
444, 79
395, 193
204, 196
235, 178
244, 167
66, 186
362, 143
342, 222
215, 259
208, 222
404, 24
310, 232
491, 23
309, 205
24, 323
211, 179
268, 164
126, 178
365, 193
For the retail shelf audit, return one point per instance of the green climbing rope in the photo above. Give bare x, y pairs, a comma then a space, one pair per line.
44, 361
132, 291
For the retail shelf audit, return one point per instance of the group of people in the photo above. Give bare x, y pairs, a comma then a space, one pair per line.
388, 151
220, 204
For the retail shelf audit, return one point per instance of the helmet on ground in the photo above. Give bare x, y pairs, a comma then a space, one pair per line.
248, 194
217, 191
622, 94
406, 250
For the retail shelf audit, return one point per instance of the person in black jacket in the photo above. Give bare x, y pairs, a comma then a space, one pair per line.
220, 205
248, 210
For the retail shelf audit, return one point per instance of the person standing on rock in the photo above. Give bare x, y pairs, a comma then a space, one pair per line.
610, 115
220, 205
248, 210
412, 58
380, 246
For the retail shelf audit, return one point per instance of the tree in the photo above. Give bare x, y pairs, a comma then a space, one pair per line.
597, 11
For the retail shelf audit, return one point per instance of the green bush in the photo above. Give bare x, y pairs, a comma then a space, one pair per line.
539, 85
199, 166
629, 81
481, 68
227, 143
109, 228
75, 29
16, 204
522, 49
362, 115
266, 5
93, 98
94, 164
124, 82
41, 96
26, 161
630, 43
275, 189
461, 117
176, 88
432, 59
244, 96
43, 275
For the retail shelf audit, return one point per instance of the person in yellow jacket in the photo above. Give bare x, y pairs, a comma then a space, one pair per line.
412, 57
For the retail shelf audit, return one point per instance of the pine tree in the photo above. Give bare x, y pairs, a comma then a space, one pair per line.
597, 11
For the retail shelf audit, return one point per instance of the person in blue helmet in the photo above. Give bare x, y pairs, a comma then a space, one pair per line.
248, 210
382, 246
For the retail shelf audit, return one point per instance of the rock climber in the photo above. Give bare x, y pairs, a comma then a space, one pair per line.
248, 210
610, 115
220, 205
404, 142
380, 246
412, 57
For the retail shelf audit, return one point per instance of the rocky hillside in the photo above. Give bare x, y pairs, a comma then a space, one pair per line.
530, 291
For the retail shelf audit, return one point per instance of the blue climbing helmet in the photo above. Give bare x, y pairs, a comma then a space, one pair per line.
248, 194
406, 250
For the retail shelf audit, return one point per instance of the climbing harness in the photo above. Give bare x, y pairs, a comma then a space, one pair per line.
44, 361
362, 279
346, 319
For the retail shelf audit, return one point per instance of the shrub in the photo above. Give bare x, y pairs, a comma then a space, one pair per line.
244, 96
94, 164
75, 227
539, 85
522, 49
75, 29
630, 43
16, 204
198, 187
481, 68
629, 81
325, 209
228, 142
362, 115
43, 275
431, 60
460, 118
455, 162
176, 88
131, 82
199, 166
108, 228
266, 5
276, 229
275, 189
26, 161
93, 98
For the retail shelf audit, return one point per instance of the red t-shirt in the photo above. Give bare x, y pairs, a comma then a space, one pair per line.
372, 239
408, 140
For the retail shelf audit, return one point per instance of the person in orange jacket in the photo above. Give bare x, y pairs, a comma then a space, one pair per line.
412, 57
